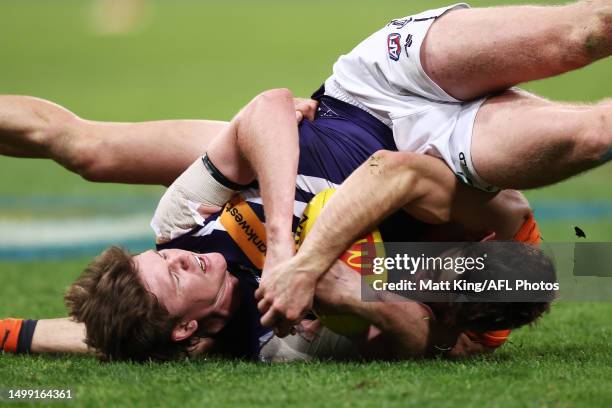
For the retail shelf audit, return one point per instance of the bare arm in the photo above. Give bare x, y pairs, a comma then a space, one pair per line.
403, 329
385, 183
66, 336
135, 153
262, 142
423, 186
410, 331
62, 335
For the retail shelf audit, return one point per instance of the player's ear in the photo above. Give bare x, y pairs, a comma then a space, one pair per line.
184, 329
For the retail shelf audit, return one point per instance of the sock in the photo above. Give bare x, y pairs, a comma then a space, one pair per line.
16, 335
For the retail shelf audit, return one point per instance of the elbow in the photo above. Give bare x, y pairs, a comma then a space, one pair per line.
425, 182
86, 156
397, 168
92, 162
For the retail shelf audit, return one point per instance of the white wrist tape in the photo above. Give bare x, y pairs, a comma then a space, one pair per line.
177, 212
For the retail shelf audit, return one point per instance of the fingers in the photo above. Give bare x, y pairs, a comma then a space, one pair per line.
306, 107
270, 318
312, 109
284, 329
207, 210
202, 345
263, 305
273, 316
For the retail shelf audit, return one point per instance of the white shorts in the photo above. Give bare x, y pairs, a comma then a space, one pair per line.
383, 75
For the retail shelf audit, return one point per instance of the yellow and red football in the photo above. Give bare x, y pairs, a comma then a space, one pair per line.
358, 258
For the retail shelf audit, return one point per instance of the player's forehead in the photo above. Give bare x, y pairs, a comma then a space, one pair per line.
146, 259
152, 271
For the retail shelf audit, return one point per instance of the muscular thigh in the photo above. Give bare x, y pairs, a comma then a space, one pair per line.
516, 135
472, 52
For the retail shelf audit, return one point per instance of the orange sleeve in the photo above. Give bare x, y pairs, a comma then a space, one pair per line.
9, 334
493, 338
529, 232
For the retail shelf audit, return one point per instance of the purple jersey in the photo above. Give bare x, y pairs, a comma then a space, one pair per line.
332, 146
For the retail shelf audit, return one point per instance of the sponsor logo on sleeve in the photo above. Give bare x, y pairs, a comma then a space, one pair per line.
245, 228
408, 43
399, 23
394, 46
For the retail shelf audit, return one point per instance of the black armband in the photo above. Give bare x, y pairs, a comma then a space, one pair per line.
220, 177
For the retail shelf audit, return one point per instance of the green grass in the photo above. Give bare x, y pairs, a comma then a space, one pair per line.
201, 59
565, 361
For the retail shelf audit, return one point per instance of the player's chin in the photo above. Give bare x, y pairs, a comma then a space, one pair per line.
217, 263
227, 300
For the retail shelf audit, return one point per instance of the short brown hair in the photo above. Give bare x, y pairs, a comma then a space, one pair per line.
124, 320
506, 261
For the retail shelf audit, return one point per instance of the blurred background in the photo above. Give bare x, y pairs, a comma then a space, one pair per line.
137, 60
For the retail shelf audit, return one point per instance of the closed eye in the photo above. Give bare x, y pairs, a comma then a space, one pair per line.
173, 275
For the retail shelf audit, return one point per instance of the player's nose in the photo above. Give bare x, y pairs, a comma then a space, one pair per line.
180, 260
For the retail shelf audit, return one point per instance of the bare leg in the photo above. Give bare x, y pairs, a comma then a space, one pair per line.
140, 153
472, 52
552, 141
59, 336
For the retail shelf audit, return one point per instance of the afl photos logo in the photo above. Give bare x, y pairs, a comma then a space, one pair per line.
394, 46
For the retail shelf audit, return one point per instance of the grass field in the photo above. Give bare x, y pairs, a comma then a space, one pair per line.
201, 59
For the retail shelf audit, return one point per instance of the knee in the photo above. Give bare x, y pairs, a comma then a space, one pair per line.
594, 141
390, 162
271, 97
280, 93
591, 38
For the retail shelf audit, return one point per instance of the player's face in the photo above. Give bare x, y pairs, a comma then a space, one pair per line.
192, 286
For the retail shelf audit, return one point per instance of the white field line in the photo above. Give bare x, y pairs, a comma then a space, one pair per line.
27, 233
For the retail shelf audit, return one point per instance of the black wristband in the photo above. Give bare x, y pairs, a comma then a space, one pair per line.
26, 334
220, 178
